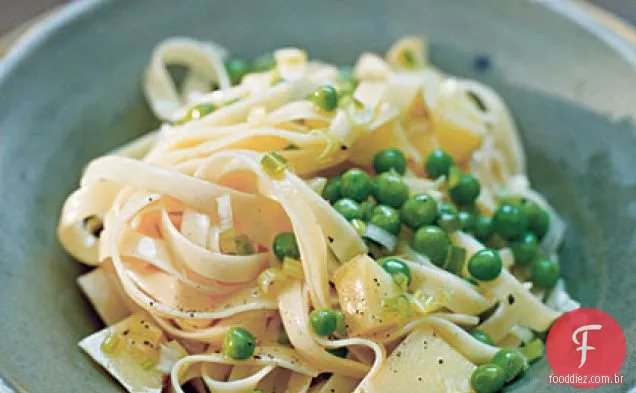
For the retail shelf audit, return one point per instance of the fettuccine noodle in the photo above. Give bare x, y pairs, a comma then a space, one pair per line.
183, 224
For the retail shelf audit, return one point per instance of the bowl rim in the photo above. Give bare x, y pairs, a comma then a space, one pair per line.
612, 30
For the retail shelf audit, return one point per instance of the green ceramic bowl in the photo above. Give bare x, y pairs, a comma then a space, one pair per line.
71, 91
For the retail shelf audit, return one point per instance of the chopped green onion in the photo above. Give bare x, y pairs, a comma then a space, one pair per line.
534, 350
438, 301
274, 164
381, 237
233, 244
227, 241
243, 245
110, 343
271, 281
293, 268
400, 304
456, 260
198, 111
402, 280
454, 176
148, 364
408, 59
359, 226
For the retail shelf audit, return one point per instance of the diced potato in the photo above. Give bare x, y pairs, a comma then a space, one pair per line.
135, 352
423, 362
368, 145
456, 140
363, 287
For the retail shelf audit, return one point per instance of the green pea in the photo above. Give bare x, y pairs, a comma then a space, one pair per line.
449, 218
396, 267
482, 336
467, 221
356, 184
466, 191
488, 378
236, 69
538, 219
340, 352
263, 63
525, 249
433, 242
510, 221
331, 192
325, 97
512, 361
438, 163
285, 245
483, 228
367, 208
386, 218
545, 273
257, 391
390, 190
349, 209
419, 210
238, 343
389, 159
485, 265
324, 322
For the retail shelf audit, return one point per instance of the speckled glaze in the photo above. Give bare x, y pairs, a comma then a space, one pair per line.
71, 91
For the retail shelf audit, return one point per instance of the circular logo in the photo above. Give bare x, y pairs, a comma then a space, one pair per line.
586, 348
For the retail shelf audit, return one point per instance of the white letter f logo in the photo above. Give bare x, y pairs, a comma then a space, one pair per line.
584, 347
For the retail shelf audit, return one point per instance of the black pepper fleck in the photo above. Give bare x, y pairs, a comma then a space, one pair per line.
511, 299
330, 239
440, 361
344, 148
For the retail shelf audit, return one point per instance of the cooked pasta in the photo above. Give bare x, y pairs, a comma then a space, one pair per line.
293, 226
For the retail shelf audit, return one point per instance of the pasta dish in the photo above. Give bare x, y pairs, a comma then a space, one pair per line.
296, 226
